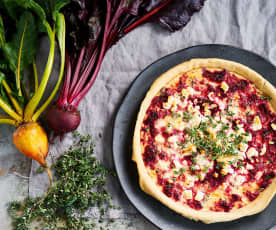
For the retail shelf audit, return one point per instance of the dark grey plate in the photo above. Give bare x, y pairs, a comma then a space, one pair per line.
153, 210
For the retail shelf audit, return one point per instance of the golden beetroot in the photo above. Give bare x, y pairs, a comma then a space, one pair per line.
31, 140
23, 104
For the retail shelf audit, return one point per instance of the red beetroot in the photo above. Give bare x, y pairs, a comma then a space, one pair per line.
62, 120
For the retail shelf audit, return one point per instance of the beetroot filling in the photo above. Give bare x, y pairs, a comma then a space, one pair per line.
235, 198
252, 195
247, 98
149, 156
153, 116
158, 100
167, 189
216, 76
224, 205
238, 85
176, 195
194, 204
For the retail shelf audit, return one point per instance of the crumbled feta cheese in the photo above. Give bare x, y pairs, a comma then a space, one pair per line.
249, 167
189, 181
243, 170
224, 120
188, 194
258, 175
203, 162
178, 164
187, 92
173, 139
159, 138
227, 169
240, 179
243, 147
160, 123
199, 196
273, 126
195, 121
202, 176
190, 108
257, 125
197, 167
252, 152
178, 123
172, 102
224, 86
211, 96
234, 108
248, 137
263, 151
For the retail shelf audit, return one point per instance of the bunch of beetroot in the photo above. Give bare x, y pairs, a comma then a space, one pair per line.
92, 27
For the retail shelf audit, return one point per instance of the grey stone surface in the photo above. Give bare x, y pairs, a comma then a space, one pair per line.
248, 24
14, 174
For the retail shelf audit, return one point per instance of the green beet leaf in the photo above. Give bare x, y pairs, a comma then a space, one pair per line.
15, 7
21, 49
52, 7
2, 33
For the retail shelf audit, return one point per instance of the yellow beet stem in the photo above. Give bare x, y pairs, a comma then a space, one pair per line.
35, 76
6, 107
33, 103
4, 119
11, 97
61, 41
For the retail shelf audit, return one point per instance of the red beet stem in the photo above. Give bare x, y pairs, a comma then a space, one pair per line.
79, 97
145, 17
84, 76
77, 89
92, 61
109, 40
77, 69
120, 10
76, 98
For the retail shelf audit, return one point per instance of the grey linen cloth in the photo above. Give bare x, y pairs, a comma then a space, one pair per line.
249, 24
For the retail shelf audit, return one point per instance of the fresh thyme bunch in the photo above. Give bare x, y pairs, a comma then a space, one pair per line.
80, 184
